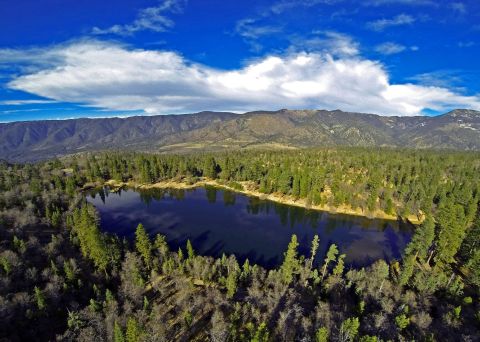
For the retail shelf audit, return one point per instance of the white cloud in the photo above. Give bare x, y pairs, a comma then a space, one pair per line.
453, 79
332, 42
247, 28
459, 7
401, 2
329, 42
251, 31
284, 5
19, 110
382, 24
259, 26
466, 44
25, 102
114, 77
389, 48
151, 18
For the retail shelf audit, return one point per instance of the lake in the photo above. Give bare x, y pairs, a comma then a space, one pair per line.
220, 221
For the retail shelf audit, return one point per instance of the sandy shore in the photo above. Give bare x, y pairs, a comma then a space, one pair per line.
250, 190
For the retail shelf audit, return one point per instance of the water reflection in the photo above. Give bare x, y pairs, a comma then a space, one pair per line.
220, 221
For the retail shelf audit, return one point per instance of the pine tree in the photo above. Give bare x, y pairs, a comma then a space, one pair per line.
134, 331
389, 206
331, 256
451, 221
349, 329
40, 298
407, 269
245, 269
190, 251
321, 335
143, 245
70, 186
338, 270
422, 239
261, 334
210, 168
473, 265
472, 241
231, 283
161, 245
69, 270
291, 263
313, 250
118, 333
180, 255
92, 242
402, 321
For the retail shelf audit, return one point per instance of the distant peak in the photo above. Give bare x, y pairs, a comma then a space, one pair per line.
463, 113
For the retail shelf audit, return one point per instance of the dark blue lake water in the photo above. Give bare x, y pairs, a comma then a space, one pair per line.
220, 221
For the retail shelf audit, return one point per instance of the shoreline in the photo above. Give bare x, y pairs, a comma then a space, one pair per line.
249, 190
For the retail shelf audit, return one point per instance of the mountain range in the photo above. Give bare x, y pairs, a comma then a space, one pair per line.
36, 140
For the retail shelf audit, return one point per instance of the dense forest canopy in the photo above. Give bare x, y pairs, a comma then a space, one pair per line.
62, 278
395, 181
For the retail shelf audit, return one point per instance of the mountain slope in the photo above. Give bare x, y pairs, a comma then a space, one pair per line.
33, 140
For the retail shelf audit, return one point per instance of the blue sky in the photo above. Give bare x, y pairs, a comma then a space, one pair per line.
64, 59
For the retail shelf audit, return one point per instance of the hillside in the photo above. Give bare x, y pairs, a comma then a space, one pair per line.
34, 140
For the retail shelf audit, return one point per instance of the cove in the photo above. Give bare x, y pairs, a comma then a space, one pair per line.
220, 221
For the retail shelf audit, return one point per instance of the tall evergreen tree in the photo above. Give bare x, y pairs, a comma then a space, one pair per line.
231, 283
134, 331
313, 250
291, 263
118, 333
451, 221
331, 256
190, 251
143, 245
210, 168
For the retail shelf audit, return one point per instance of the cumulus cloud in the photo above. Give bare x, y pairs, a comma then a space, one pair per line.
382, 24
151, 18
115, 77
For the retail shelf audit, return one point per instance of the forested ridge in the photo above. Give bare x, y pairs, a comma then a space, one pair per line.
219, 131
61, 278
